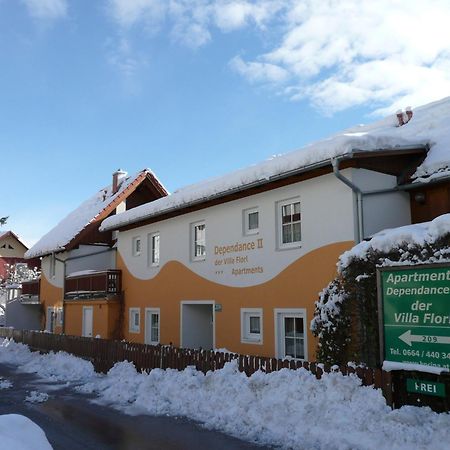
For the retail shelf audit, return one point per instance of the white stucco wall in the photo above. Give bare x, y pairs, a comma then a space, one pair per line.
327, 217
381, 211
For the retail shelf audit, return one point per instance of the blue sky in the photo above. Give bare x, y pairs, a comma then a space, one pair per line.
194, 89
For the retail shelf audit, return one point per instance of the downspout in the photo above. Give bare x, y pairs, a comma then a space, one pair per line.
359, 199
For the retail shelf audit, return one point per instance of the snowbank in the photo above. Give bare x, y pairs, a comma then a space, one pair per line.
430, 126
290, 409
419, 234
20, 433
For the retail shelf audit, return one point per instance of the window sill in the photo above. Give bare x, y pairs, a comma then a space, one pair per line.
282, 247
251, 341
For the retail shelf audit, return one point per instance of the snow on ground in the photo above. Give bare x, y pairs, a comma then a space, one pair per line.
36, 397
289, 409
4, 383
20, 433
430, 125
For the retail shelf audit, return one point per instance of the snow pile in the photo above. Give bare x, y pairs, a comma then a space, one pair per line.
420, 234
54, 366
4, 383
59, 236
430, 126
20, 433
290, 409
36, 397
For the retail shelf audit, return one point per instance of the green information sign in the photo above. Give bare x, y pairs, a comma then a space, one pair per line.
425, 387
415, 304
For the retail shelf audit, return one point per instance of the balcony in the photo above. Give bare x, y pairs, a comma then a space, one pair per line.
30, 291
91, 284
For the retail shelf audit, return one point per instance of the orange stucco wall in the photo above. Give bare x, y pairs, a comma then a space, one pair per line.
295, 287
105, 317
50, 296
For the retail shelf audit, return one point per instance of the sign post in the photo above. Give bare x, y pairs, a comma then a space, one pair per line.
415, 314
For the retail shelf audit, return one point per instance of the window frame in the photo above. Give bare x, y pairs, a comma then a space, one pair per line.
132, 327
279, 215
194, 225
246, 336
279, 315
246, 222
152, 311
134, 251
152, 235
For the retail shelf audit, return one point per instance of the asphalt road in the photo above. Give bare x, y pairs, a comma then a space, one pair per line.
72, 422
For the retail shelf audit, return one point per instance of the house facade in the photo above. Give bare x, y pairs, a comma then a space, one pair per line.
243, 270
79, 274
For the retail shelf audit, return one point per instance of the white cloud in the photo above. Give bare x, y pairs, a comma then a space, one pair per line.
334, 53
259, 72
46, 9
347, 52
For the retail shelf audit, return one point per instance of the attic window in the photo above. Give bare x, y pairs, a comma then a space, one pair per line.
8, 246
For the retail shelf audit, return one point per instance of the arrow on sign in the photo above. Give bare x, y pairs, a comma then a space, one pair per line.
408, 338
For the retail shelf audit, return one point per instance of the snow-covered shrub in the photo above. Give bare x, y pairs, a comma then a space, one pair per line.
346, 315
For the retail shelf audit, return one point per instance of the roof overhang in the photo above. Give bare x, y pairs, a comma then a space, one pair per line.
400, 162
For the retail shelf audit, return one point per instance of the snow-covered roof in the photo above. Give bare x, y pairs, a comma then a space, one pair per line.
430, 125
5, 234
385, 241
89, 211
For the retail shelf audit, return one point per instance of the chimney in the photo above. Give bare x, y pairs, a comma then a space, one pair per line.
400, 118
118, 176
409, 113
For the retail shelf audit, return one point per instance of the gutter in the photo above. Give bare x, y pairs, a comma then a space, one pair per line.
231, 191
297, 171
359, 208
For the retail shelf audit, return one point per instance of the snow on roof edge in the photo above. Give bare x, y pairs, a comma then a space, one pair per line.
429, 126
56, 240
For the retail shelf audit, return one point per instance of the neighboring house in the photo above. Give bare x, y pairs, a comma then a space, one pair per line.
12, 251
238, 261
80, 287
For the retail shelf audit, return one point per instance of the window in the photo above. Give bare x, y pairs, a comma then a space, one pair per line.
136, 246
251, 221
59, 316
135, 320
251, 325
290, 223
199, 241
153, 250
291, 336
152, 336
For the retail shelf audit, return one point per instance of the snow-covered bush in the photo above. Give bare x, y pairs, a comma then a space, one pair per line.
346, 315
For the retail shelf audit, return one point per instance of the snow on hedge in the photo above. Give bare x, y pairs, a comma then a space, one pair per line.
430, 125
59, 236
419, 234
287, 409
17, 432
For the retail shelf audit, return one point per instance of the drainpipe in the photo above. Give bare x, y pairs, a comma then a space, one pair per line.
359, 198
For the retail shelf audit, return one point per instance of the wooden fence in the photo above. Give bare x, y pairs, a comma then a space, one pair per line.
105, 353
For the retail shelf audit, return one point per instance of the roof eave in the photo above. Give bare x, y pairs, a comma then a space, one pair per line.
354, 154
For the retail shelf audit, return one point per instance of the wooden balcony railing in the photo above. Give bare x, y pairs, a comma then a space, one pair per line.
30, 288
92, 284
